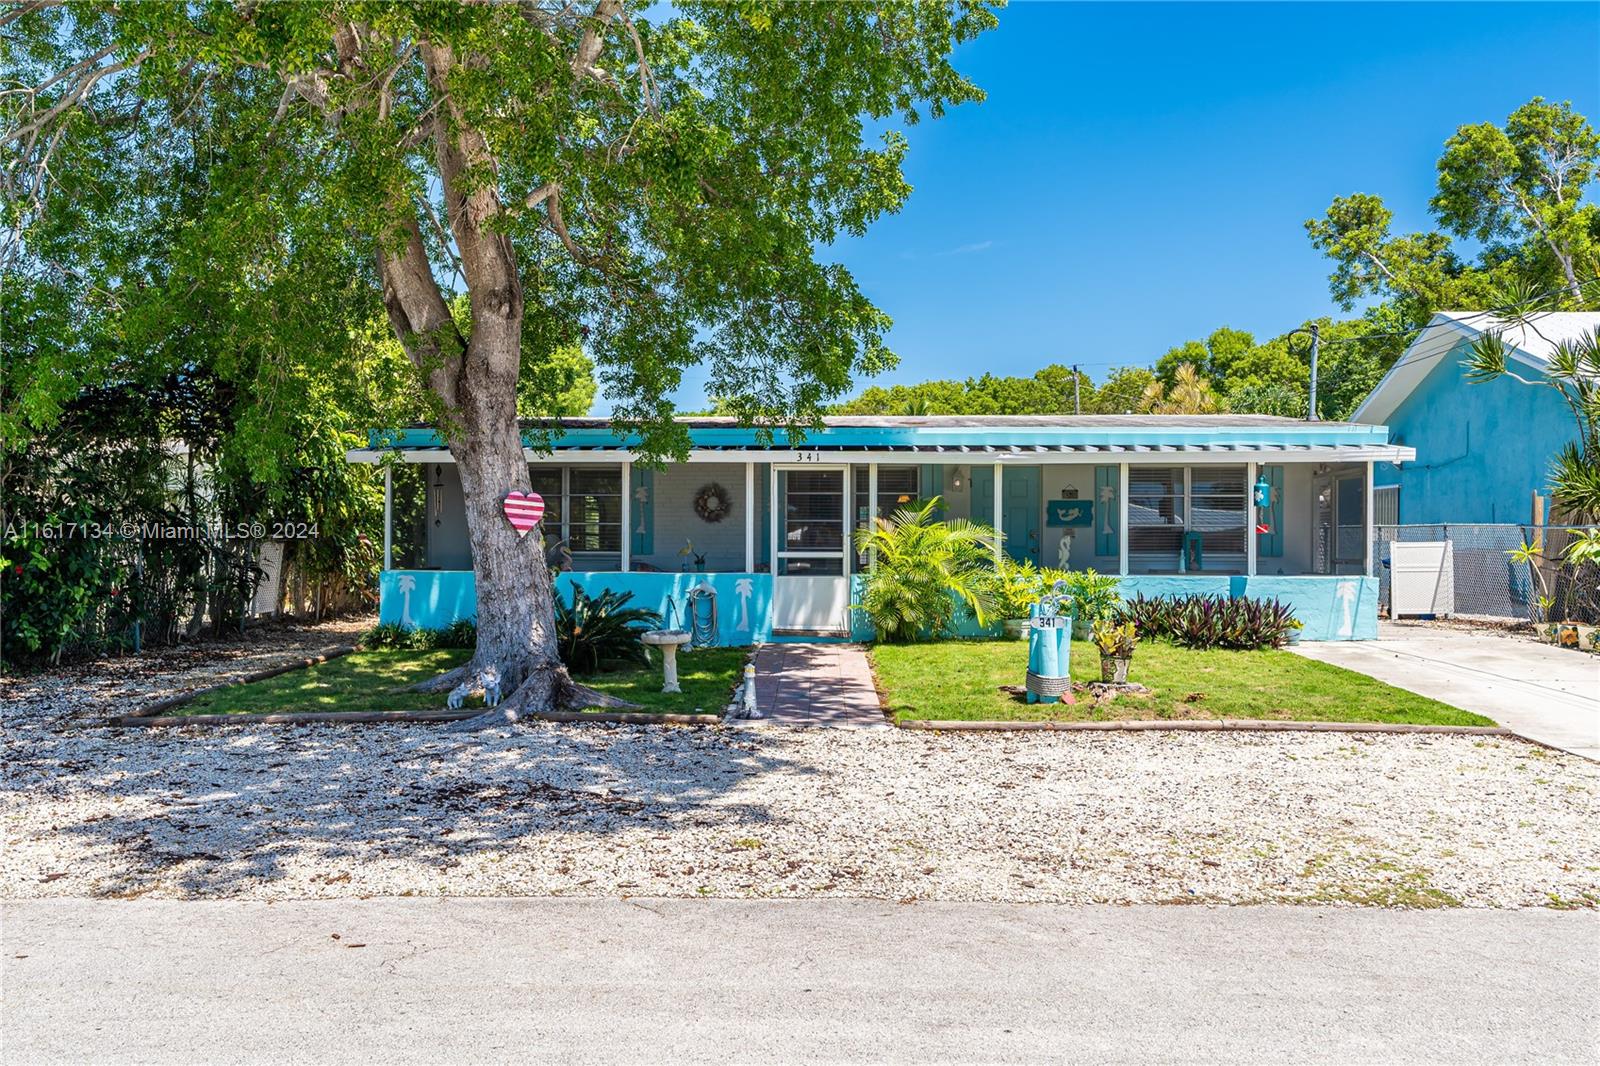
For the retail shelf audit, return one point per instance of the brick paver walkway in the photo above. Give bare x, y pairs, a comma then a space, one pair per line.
817, 684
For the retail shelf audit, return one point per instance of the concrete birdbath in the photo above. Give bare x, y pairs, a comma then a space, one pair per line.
669, 641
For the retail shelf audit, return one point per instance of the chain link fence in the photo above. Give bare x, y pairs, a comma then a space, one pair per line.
1487, 578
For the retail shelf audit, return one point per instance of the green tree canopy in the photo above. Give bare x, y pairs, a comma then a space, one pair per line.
658, 187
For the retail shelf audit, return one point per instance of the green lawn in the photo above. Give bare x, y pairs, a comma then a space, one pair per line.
961, 679
377, 681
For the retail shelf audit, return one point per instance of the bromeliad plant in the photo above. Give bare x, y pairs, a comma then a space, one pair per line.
921, 569
1212, 621
594, 630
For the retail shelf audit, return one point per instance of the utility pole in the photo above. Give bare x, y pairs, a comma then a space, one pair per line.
1311, 412
1077, 403
1316, 340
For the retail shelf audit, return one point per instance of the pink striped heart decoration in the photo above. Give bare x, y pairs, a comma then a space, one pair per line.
523, 510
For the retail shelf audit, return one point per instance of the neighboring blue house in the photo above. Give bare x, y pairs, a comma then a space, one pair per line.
1483, 450
756, 532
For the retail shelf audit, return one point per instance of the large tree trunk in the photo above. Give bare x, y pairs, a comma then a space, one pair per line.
516, 656
516, 650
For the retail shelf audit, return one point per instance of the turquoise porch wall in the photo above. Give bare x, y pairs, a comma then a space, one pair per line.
1482, 450
1331, 608
432, 599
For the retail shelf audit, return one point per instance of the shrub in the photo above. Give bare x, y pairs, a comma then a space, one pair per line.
385, 635
1212, 621
1017, 588
462, 633
593, 630
1093, 596
922, 568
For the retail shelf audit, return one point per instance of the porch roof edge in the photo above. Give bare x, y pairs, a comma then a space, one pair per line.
913, 435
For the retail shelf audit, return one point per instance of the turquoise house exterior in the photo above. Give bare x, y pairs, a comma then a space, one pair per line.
1485, 448
752, 538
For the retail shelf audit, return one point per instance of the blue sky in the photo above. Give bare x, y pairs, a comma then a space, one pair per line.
1140, 173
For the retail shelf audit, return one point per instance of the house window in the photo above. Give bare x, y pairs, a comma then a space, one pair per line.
898, 487
582, 505
1199, 510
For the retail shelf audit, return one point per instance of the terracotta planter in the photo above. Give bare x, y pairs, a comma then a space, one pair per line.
1114, 668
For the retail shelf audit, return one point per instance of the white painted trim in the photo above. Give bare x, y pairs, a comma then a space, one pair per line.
872, 507
749, 517
1366, 551
999, 505
777, 522
627, 515
388, 518
1250, 537
1122, 519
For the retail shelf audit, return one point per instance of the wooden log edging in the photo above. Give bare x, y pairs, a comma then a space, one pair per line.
1202, 725
150, 710
356, 717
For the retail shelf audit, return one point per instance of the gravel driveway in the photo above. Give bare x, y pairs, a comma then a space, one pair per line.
326, 811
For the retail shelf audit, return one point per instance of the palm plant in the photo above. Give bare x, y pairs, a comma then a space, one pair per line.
601, 629
922, 567
1190, 394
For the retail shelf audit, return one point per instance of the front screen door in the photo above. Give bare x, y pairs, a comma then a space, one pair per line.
811, 585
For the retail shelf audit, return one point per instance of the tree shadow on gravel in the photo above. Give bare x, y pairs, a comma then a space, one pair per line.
219, 811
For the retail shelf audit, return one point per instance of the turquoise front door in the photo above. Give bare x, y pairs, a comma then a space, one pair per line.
1020, 504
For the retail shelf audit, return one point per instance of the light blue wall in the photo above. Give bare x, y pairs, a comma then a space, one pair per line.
1482, 450
438, 597
1332, 608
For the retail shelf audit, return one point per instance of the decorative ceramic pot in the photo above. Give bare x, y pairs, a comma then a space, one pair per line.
1567, 635
1114, 668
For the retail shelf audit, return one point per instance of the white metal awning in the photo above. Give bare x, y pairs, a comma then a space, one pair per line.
951, 455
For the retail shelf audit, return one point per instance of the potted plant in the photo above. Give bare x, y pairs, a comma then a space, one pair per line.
1291, 630
1094, 599
1115, 641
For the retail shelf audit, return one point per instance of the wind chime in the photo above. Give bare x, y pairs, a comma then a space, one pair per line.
1261, 496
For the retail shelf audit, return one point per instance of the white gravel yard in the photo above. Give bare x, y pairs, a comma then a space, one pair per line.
328, 811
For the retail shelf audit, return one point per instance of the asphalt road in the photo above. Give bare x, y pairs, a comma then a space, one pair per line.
465, 980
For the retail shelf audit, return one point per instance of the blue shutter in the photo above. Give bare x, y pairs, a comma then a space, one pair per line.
930, 483
1107, 510
1270, 545
764, 490
643, 514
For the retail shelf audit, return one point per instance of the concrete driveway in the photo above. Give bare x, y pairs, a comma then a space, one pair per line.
1545, 693
575, 980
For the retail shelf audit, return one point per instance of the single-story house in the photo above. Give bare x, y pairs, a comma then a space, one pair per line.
763, 529
1486, 448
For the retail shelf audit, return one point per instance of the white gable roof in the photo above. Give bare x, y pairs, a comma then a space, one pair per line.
1531, 343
